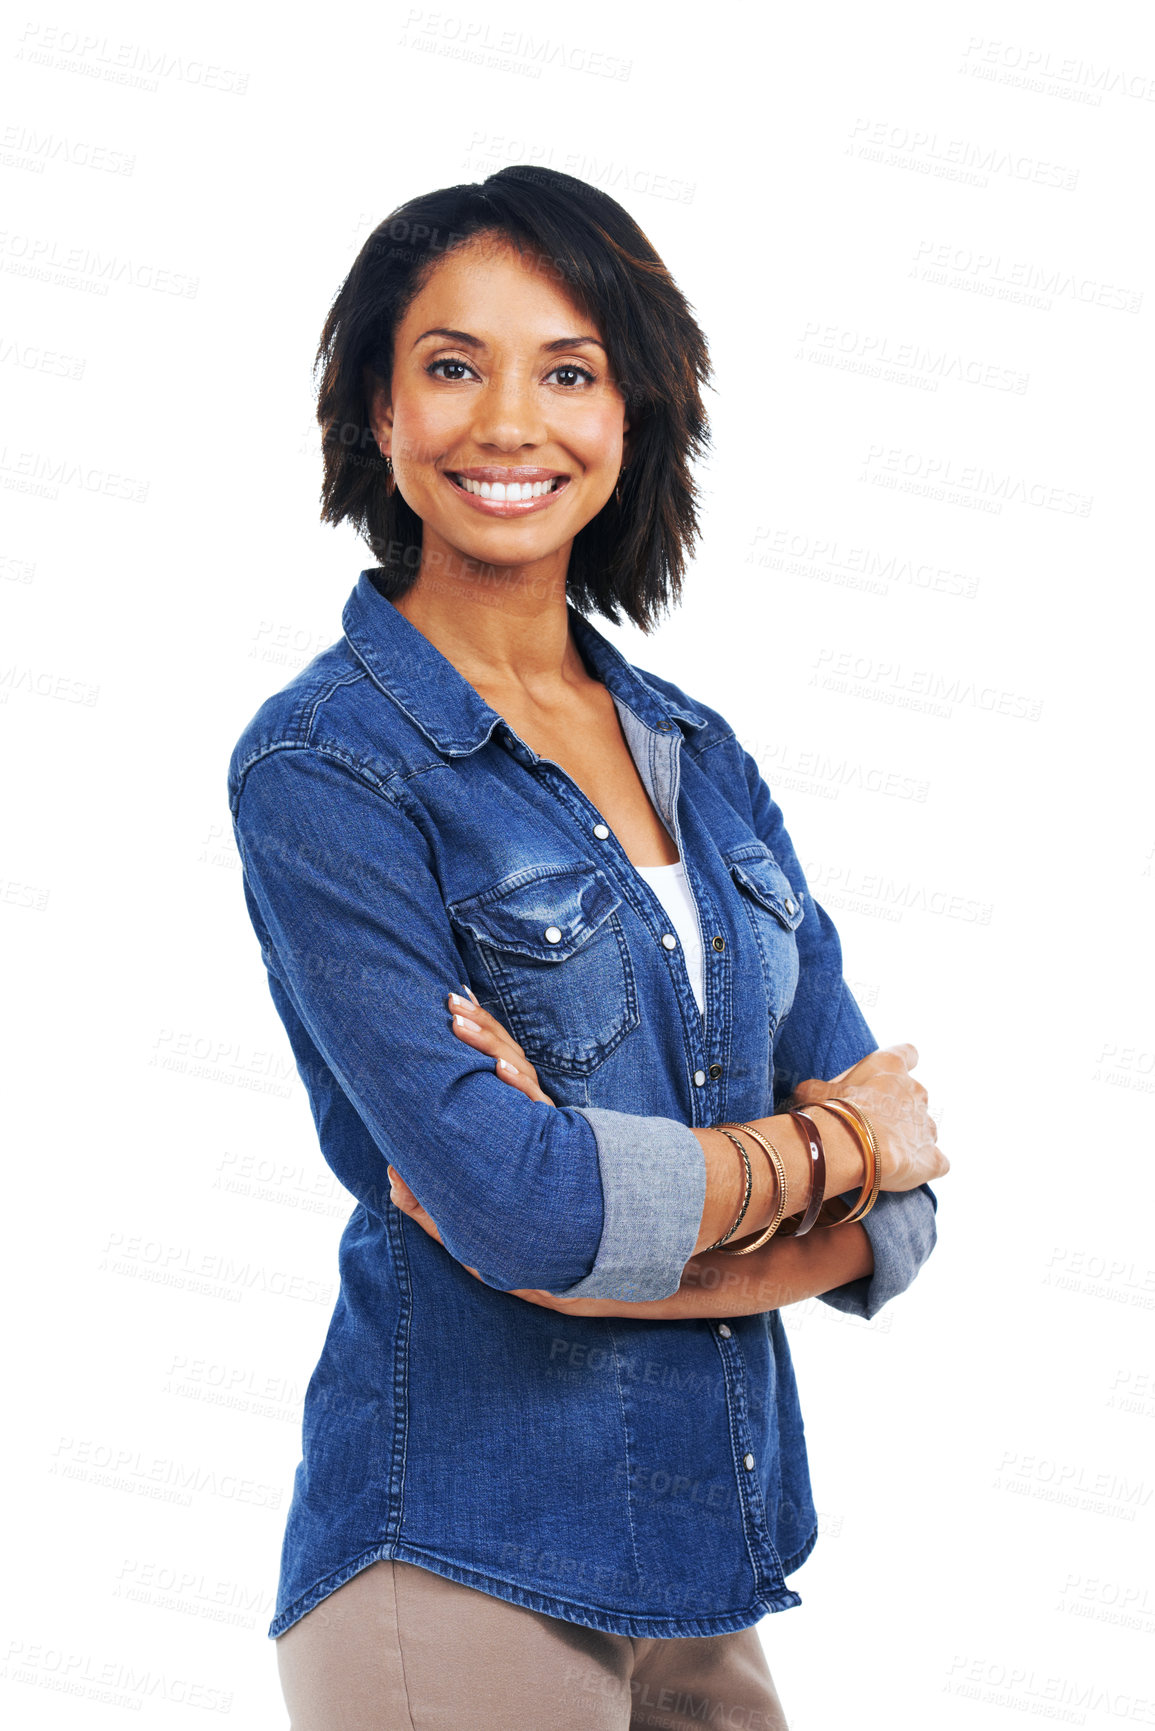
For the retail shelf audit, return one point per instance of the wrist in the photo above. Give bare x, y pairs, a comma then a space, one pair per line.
845, 1165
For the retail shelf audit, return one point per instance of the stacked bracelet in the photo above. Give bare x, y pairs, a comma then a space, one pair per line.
779, 1170
817, 1174
863, 1133
746, 1194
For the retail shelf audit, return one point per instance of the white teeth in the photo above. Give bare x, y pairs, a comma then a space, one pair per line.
505, 492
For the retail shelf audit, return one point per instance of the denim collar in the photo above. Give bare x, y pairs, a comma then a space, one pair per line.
443, 704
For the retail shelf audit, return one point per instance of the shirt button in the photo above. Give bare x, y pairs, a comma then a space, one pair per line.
669, 941
715, 1071
601, 830
724, 1330
719, 943
552, 935
748, 1463
790, 905
699, 1078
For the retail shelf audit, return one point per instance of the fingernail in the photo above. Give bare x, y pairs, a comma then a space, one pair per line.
464, 1022
504, 1064
456, 998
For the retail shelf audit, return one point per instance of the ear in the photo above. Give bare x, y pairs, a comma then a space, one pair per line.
379, 409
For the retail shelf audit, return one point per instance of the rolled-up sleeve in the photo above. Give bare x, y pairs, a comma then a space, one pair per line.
341, 891
824, 1033
641, 1160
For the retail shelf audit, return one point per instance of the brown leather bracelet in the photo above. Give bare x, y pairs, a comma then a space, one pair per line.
816, 1191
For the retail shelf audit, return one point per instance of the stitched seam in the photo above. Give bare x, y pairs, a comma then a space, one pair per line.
362, 771
629, 1464
324, 695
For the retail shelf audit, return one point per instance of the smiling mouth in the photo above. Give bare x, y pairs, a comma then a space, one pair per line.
508, 492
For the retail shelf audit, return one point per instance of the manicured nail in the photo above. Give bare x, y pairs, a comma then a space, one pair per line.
464, 1022
504, 1064
456, 998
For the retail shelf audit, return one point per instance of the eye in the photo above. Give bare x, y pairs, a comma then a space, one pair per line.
451, 379
574, 373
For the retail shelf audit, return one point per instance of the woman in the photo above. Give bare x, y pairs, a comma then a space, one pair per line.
535, 928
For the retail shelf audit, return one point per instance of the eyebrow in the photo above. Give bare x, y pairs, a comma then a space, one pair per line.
468, 341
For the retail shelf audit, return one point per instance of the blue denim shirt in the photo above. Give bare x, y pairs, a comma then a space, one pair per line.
399, 840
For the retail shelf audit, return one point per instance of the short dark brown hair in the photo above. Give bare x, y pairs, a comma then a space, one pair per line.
631, 557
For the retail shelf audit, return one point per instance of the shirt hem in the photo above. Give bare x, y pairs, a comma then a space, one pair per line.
569, 1610
796, 1561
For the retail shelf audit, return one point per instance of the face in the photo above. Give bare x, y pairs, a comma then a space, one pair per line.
504, 426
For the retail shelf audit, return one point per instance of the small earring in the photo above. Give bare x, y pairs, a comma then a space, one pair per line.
618, 492
390, 480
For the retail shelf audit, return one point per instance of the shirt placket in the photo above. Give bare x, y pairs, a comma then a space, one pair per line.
764, 1558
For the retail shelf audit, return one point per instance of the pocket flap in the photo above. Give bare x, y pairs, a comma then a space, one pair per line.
761, 876
544, 912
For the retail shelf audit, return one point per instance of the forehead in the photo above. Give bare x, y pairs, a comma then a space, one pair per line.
487, 280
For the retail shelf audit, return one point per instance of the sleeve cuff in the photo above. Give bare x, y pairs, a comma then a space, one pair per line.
653, 1176
902, 1232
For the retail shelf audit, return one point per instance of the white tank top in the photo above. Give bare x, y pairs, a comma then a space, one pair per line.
670, 885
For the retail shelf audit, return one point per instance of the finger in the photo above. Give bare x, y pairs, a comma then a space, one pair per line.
490, 1037
471, 1008
486, 1034
525, 1083
903, 1051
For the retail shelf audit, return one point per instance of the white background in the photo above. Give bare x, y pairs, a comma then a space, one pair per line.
918, 240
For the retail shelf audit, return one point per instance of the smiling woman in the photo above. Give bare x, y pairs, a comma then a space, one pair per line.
509, 385
554, 1469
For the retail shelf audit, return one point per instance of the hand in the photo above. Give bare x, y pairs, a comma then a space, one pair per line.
513, 1067
896, 1105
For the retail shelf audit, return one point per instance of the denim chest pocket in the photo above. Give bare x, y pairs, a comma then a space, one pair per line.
775, 912
551, 942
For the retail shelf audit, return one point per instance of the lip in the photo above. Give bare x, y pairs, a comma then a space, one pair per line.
507, 507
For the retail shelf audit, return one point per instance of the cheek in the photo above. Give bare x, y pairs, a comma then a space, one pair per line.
597, 436
423, 427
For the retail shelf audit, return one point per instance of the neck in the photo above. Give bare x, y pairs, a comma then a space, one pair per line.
505, 628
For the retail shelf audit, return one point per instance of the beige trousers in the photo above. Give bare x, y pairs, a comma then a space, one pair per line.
400, 1648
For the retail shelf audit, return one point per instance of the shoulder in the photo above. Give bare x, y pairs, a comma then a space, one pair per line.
332, 710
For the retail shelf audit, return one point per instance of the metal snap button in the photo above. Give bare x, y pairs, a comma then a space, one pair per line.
601, 830
724, 1330
715, 1071
790, 905
719, 943
699, 1078
748, 1463
669, 941
553, 935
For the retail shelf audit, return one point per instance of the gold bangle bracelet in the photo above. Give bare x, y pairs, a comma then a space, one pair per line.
779, 1170
748, 1188
868, 1127
863, 1134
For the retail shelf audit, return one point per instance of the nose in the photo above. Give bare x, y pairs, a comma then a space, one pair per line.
509, 412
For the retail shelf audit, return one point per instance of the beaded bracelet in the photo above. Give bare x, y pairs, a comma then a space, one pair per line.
746, 1196
779, 1170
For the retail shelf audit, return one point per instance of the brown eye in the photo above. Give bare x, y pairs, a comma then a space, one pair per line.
574, 374
463, 365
